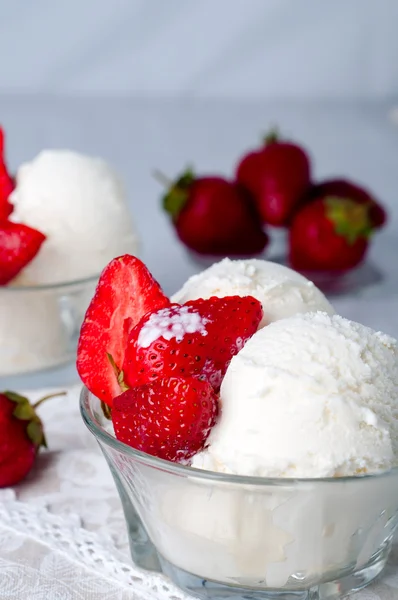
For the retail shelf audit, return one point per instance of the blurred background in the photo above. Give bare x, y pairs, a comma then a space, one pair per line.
165, 83
248, 49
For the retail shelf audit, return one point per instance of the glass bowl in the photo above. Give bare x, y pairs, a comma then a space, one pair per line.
221, 536
39, 325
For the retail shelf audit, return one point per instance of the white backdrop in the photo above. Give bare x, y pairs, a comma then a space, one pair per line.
228, 48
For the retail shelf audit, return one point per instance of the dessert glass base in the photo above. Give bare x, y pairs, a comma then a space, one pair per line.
222, 536
212, 590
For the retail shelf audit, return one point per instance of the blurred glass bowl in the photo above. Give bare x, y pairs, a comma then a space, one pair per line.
39, 325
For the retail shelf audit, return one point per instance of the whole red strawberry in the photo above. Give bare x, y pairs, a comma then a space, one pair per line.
126, 291
170, 418
197, 339
343, 188
214, 216
21, 436
330, 234
19, 244
278, 176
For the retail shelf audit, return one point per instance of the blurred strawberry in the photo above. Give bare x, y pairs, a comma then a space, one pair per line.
19, 244
6, 182
344, 188
214, 216
21, 436
278, 176
330, 234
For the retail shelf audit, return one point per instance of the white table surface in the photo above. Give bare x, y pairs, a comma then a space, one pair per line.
136, 135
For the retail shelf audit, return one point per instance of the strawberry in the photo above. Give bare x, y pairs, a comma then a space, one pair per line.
21, 436
2, 143
214, 216
6, 182
6, 187
196, 339
343, 188
170, 418
277, 175
126, 291
19, 244
330, 234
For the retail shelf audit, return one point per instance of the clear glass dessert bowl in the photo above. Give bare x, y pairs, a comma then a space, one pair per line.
223, 536
40, 324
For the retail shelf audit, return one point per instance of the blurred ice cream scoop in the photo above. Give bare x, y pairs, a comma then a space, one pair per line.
79, 203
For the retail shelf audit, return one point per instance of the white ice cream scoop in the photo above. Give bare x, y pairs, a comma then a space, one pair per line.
79, 203
282, 291
308, 396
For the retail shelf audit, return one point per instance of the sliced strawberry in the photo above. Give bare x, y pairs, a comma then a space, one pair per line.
126, 291
196, 339
19, 244
169, 418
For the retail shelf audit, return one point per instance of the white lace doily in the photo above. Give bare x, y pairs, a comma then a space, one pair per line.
62, 532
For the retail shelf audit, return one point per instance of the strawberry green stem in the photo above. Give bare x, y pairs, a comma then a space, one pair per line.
161, 178
272, 136
106, 410
48, 397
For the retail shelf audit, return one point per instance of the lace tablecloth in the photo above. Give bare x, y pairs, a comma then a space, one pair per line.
62, 533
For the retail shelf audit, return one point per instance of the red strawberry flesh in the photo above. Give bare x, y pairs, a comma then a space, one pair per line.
126, 291
170, 418
196, 339
6, 182
19, 244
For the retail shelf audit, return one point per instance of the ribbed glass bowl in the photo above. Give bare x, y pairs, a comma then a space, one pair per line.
220, 536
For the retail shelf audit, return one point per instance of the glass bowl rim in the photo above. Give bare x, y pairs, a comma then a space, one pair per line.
186, 471
61, 285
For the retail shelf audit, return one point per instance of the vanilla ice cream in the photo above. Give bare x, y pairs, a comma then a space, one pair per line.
308, 396
281, 291
79, 203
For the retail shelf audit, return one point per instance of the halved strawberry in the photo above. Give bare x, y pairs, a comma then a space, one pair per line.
196, 339
19, 244
126, 291
170, 418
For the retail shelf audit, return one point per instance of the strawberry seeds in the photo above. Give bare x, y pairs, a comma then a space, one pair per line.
158, 365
